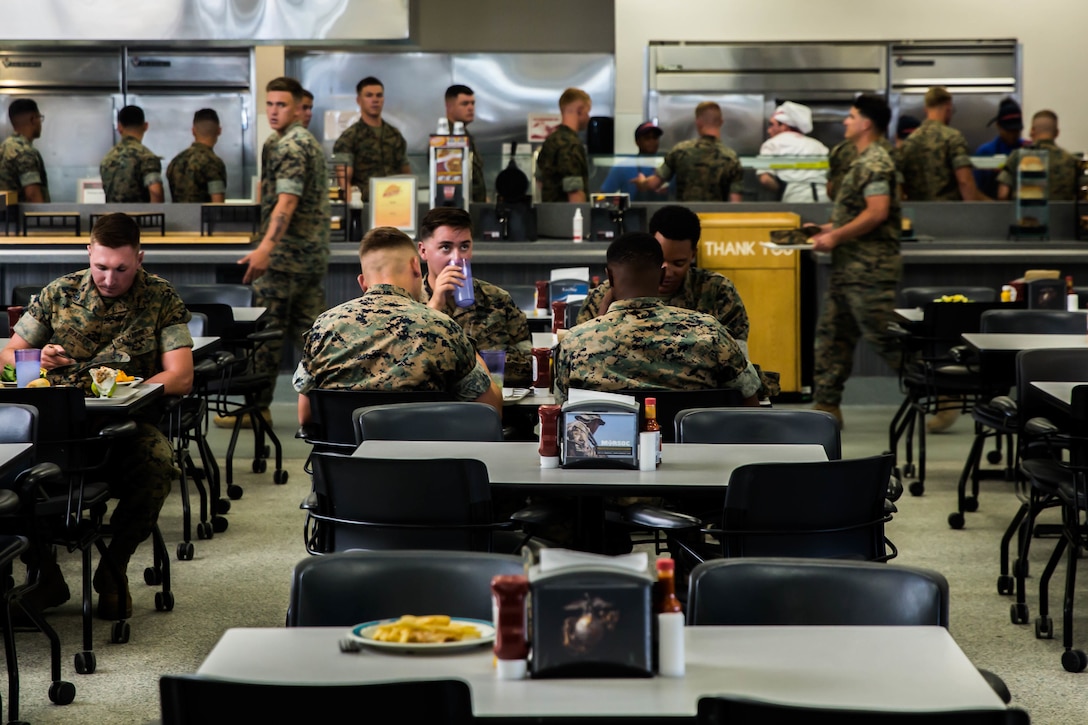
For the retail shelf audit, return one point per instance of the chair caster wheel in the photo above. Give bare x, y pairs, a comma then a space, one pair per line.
185, 551
266, 452
219, 524
955, 520
1044, 628
1020, 568
994, 457
62, 693
909, 469
120, 632
234, 491
203, 531
970, 504
222, 506
153, 576
279, 477
916, 488
1004, 584
164, 601
1074, 660
260, 465
1018, 613
85, 663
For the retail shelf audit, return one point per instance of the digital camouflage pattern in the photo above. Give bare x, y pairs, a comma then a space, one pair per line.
374, 151
128, 170
580, 439
147, 321
844, 153
386, 340
642, 343
195, 174
1062, 170
293, 300
860, 301
702, 291
562, 165
705, 169
929, 158
494, 322
479, 183
21, 165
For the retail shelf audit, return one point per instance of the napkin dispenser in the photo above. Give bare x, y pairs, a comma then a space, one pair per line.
599, 434
591, 621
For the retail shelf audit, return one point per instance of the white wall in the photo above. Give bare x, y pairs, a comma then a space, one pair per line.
1052, 34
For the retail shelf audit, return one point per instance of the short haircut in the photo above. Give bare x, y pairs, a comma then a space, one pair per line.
874, 108
706, 111
21, 107
283, 84
677, 223
637, 250
307, 94
458, 89
443, 216
131, 117
206, 115
368, 81
1047, 114
380, 239
573, 95
937, 96
116, 230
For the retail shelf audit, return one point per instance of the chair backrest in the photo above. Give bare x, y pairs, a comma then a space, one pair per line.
18, 423
920, 296
232, 295
439, 421
1046, 365
725, 710
219, 316
198, 324
403, 503
945, 322
825, 509
332, 412
1033, 321
21, 294
346, 588
62, 422
760, 425
197, 700
792, 591
1045, 294
5, 324
671, 402
570, 314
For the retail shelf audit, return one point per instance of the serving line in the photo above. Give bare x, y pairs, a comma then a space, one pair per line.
815, 666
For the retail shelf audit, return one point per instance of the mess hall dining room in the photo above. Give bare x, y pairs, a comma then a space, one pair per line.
965, 394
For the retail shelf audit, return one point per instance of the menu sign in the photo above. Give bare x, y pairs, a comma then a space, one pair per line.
393, 202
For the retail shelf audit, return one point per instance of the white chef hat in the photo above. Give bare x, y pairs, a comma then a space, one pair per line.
795, 115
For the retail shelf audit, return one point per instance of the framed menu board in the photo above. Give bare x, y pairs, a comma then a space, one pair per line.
393, 203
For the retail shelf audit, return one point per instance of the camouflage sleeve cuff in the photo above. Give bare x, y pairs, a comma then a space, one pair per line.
877, 188
289, 186
664, 172
34, 332
341, 155
175, 337
302, 381
152, 179
961, 161
573, 183
473, 385
30, 177
217, 187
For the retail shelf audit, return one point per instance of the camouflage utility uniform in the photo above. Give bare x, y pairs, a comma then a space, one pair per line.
642, 343
146, 322
562, 165
21, 165
128, 170
929, 159
479, 184
293, 288
865, 271
844, 153
494, 322
705, 169
1062, 170
386, 340
702, 291
195, 174
374, 152
580, 438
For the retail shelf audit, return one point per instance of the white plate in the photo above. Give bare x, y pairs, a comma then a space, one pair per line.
512, 394
135, 381
364, 633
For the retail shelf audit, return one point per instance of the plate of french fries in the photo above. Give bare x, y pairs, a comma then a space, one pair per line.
427, 633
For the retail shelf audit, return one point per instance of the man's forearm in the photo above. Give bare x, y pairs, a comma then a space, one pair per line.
281, 218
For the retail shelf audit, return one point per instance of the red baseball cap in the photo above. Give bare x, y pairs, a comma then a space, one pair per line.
648, 127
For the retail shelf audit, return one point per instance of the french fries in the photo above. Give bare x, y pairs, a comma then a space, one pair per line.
430, 629
123, 377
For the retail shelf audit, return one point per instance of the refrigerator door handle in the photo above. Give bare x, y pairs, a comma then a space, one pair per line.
245, 119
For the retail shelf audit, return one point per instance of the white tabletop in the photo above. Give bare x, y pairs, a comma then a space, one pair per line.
822, 666
518, 463
13, 453
911, 314
1061, 392
248, 314
1014, 342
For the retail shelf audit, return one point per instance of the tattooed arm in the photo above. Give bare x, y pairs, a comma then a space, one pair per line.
259, 258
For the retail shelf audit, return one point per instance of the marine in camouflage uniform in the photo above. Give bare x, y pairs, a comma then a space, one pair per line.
479, 184
128, 170
386, 340
494, 322
146, 322
1062, 170
21, 165
562, 165
372, 152
195, 174
865, 271
580, 435
642, 343
293, 288
705, 169
845, 153
929, 158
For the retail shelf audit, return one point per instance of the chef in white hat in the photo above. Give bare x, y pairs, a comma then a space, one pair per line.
787, 129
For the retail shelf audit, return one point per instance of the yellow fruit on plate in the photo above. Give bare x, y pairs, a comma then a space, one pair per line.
39, 383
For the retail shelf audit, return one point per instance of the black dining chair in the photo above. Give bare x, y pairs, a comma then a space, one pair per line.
920, 296
450, 420
671, 402
727, 710
760, 425
345, 588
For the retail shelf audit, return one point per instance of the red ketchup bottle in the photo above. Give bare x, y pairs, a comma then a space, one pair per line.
542, 295
549, 436
542, 370
508, 595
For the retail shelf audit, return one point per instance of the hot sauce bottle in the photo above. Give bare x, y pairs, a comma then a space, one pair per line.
670, 622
